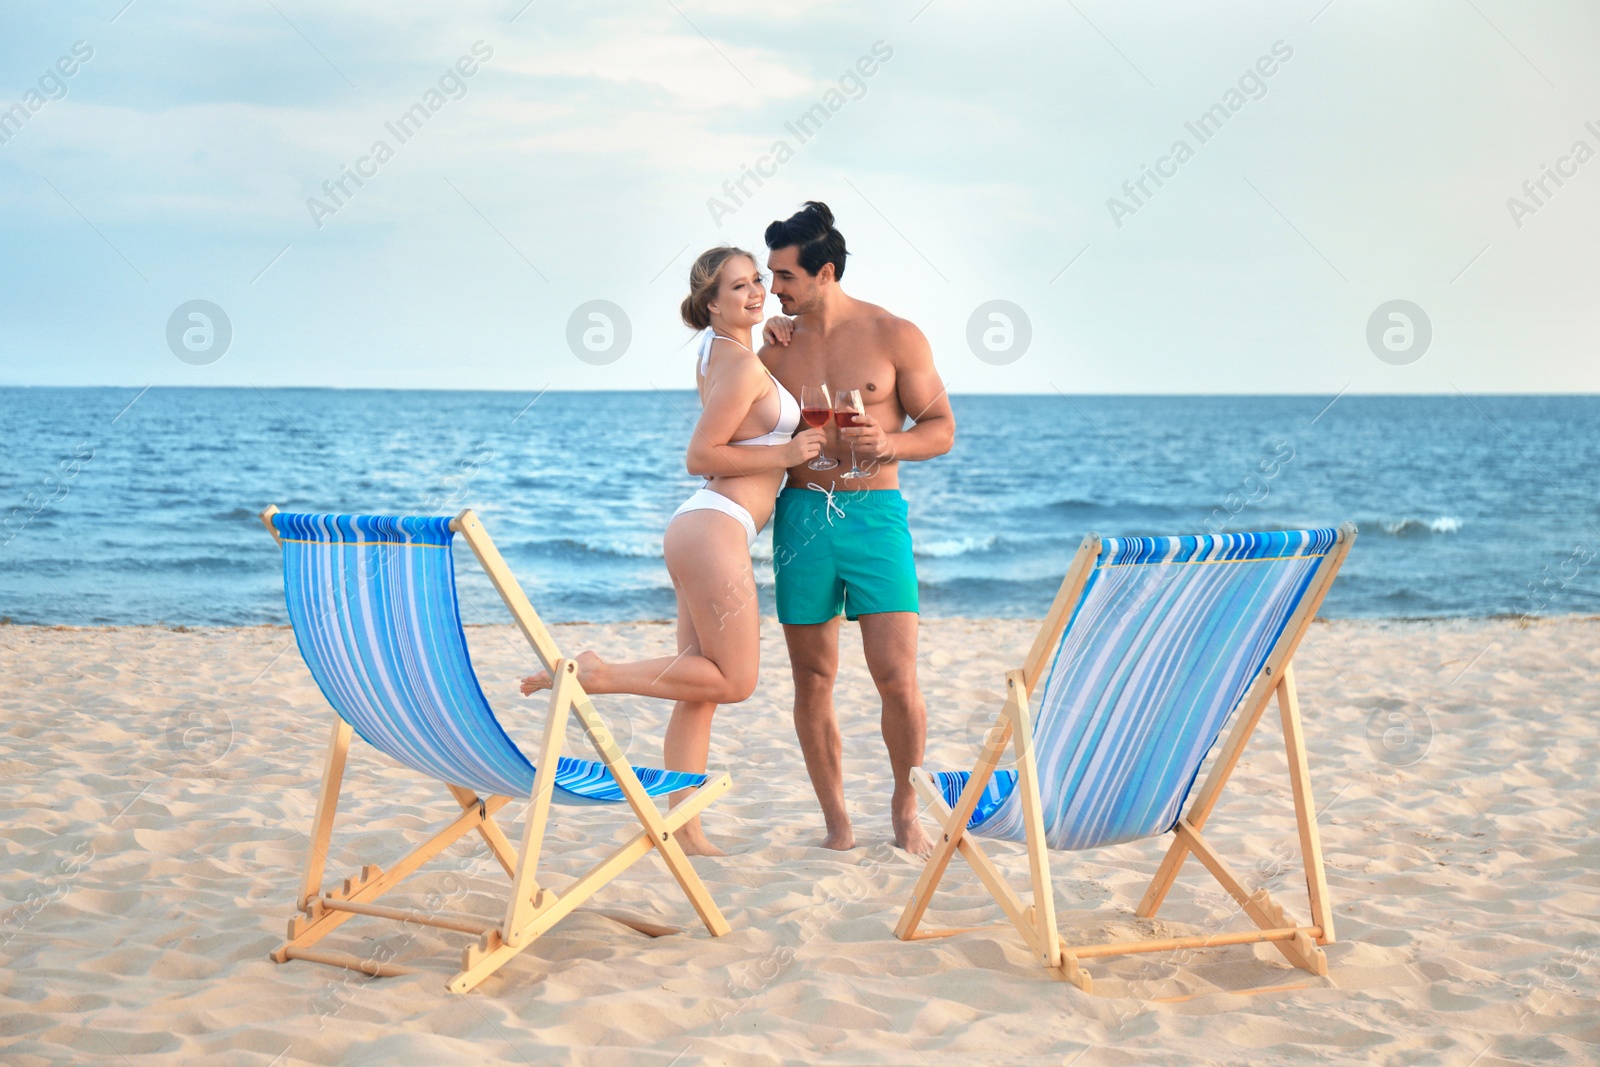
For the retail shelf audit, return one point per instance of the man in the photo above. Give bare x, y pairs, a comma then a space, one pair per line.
842, 545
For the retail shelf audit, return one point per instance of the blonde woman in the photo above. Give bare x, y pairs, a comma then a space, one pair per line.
744, 441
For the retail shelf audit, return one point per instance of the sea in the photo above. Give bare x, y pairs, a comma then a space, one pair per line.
121, 506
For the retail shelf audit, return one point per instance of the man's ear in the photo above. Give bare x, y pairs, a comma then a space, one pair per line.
825, 274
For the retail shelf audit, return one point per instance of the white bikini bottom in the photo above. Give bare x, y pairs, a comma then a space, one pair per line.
710, 500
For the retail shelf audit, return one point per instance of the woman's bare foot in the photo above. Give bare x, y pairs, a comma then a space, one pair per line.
908, 834
693, 841
591, 668
697, 845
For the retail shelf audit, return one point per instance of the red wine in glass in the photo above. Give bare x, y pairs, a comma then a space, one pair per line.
850, 411
815, 410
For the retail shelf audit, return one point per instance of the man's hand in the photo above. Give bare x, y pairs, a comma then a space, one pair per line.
868, 438
778, 330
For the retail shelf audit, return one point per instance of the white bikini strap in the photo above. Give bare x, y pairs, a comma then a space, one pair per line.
707, 339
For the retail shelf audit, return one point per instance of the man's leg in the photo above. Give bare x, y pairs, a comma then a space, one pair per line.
889, 641
814, 660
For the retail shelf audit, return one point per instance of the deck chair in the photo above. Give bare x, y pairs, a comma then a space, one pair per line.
1151, 645
373, 602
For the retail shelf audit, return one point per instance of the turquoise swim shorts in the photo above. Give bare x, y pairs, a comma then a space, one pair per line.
852, 555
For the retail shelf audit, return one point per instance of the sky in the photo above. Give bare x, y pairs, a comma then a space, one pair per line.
1342, 214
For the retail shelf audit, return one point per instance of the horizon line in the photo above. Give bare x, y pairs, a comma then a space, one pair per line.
1348, 391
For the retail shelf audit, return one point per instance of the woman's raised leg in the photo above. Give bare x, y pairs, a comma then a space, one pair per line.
709, 561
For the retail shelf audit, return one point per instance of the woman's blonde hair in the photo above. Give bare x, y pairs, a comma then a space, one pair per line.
704, 277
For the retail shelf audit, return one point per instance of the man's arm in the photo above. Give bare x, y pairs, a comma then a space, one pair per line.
923, 397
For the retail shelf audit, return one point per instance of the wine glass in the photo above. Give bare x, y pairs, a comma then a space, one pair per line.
815, 410
848, 410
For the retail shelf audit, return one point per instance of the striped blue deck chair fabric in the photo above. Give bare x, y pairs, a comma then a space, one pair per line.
1168, 635
373, 602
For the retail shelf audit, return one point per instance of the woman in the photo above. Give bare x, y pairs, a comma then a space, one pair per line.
742, 445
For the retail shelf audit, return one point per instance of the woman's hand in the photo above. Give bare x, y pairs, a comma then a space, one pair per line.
805, 446
778, 330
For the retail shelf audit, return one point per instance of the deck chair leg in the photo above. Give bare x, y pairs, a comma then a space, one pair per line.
1162, 883
1305, 810
327, 805
1305, 817
525, 892
1015, 910
492, 835
953, 821
1021, 916
1044, 902
1266, 913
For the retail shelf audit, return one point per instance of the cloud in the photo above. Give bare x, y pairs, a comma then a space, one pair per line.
673, 66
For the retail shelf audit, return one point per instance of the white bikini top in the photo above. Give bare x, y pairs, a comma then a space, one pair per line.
788, 406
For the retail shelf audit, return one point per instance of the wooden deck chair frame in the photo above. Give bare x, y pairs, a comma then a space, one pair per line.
532, 909
1037, 922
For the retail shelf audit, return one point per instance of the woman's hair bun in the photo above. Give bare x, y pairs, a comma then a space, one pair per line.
704, 277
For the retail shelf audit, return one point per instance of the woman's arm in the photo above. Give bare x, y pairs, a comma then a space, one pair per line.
733, 461
731, 387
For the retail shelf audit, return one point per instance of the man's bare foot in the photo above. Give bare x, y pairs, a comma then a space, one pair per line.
840, 840
590, 667
908, 834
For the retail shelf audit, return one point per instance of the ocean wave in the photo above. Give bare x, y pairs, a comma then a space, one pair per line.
616, 548
958, 546
145, 563
1413, 527
1124, 511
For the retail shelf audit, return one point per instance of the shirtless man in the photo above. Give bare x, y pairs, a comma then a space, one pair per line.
842, 545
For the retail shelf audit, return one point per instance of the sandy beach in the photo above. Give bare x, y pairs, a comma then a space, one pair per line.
157, 786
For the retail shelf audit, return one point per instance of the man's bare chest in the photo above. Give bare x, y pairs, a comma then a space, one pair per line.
841, 366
